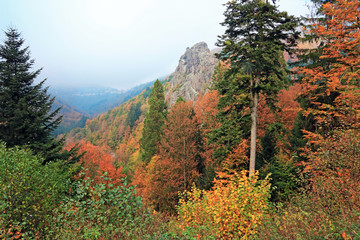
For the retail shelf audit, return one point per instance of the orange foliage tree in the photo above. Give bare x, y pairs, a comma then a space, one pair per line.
287, 109
96, 161
237, 158
333, 94
332, 89
206, 112
177, 164
181, 142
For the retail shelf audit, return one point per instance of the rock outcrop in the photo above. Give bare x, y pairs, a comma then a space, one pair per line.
193, 73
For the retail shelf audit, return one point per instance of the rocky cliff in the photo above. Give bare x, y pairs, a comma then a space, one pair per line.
193, 73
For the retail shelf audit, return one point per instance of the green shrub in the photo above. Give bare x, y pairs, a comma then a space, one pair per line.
104, 211
29, 191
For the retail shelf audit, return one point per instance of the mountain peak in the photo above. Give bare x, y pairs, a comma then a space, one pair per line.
193, 73
201, 45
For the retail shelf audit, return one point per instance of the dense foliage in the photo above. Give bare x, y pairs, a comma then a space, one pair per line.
233, 209
234, 113
176, 166
102, 210
29, 192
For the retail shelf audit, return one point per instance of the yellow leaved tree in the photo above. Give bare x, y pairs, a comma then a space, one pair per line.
233, 209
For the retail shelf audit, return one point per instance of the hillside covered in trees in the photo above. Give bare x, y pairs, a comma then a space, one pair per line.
261, 142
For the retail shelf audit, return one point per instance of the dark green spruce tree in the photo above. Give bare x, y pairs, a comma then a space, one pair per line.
153, 123
234, 119
133, 115
26, 118
256, 36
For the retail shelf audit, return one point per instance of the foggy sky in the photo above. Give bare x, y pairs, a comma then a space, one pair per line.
115, 43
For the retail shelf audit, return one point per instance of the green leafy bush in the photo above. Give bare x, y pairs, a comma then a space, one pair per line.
29, 191
104, 211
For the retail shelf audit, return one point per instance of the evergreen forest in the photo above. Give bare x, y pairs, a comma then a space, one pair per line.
269, 150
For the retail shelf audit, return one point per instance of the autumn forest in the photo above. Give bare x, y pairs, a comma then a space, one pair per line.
269, 148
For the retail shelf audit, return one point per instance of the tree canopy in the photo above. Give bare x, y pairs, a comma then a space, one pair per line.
256, 36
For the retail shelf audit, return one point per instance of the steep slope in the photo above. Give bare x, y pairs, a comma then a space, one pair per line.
193, 73
69, 112
72, 117
80, 104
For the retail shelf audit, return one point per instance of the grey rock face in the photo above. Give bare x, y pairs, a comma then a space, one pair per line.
193, 74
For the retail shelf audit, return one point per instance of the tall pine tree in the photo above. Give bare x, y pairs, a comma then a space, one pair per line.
25, 108
153, 123
233, 115
256, 36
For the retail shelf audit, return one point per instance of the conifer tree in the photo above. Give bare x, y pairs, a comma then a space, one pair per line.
256, 36
153, 123
25, 108
233, 116
133, 115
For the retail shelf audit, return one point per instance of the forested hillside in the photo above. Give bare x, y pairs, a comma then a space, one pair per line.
79, 104
71, 117
261, 142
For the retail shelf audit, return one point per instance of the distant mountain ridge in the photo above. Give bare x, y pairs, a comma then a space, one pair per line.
95, 100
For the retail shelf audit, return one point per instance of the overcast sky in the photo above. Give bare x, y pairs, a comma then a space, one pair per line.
115, 43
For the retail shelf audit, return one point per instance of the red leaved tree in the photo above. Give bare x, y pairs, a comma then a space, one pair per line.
96, 161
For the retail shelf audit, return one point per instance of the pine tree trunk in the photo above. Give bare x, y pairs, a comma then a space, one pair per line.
255, 96
185, 183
